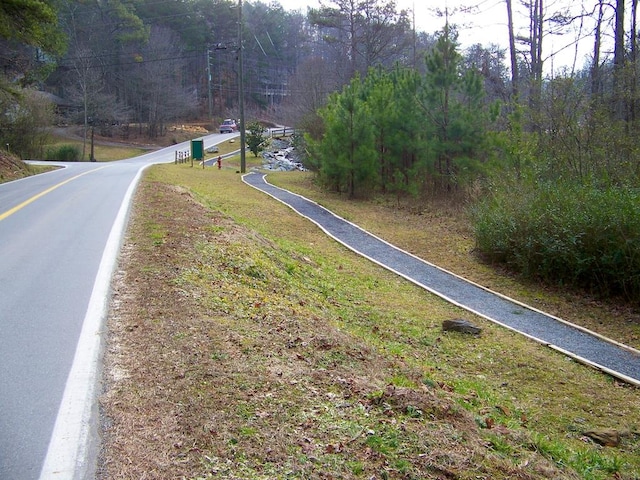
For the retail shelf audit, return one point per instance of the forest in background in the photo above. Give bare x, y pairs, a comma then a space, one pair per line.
550, 164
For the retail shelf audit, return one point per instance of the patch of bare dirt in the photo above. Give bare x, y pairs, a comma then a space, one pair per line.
202, 382
12, 168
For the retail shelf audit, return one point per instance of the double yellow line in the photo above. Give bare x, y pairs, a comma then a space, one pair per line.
10, 212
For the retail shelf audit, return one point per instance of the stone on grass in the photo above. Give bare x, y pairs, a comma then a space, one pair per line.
461, 325
607, 437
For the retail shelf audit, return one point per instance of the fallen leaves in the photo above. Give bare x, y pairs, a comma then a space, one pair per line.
233, 382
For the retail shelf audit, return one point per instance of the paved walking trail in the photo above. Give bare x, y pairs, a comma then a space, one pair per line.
585, 346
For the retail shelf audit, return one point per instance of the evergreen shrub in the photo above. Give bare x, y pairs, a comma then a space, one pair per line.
564, 233
64, 153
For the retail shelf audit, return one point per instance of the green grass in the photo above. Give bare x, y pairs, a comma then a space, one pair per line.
109, 153
102, 153
521, 385
543, 399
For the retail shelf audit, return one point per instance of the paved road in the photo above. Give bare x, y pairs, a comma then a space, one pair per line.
60, 234
618, 360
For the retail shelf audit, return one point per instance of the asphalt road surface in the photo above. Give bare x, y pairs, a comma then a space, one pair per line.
618, 360
60, 234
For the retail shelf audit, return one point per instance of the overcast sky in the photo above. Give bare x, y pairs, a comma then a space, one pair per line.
485, 23
427, 20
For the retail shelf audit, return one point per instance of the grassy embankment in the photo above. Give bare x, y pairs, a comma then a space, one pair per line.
247, 344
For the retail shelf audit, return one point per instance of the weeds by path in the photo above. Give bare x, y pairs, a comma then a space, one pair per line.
245, 344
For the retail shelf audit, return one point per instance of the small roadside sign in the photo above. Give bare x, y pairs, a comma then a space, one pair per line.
197, 149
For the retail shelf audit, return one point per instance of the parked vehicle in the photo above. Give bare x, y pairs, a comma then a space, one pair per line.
228, 126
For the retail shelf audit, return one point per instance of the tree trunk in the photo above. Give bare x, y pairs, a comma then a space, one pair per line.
536, 31
596, 85
352, 154
353, 39
512, 49
85, 125
540, 18
634, 62
618, 64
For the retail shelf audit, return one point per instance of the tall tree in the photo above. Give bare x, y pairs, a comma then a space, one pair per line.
32, 22
451, 101
596, 81
512, 52
30, 39
619, 54
536, 30
489, 62
347, 150
380, 97
543, 20
409, 142
97, 32
384, 34
160, 89
275, 39
399, 129
364, 33
308, 90
634, 106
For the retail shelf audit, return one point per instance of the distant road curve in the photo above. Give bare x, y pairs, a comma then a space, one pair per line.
618, 360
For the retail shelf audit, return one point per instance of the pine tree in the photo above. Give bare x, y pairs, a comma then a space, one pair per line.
408, 145
347, 150
451, 100
379, 93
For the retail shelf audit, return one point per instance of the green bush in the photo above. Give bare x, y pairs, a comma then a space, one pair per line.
64, 153
563, 233
256, 138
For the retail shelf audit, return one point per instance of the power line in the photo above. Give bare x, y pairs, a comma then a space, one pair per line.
125, 63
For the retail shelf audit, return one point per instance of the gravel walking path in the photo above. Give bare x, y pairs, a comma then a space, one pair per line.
587, 347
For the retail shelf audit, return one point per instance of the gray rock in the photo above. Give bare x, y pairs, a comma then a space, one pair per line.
460, 325
281, 157
607, 437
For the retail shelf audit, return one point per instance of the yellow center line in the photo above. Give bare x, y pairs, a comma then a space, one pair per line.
43, 193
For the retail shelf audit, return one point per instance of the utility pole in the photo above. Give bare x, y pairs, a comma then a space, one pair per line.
243, 156
209, 84
92, 157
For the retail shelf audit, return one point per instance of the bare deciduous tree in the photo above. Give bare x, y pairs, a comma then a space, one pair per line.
619, 62
161, 91
596, 82
309, 89
512, 51
363, 33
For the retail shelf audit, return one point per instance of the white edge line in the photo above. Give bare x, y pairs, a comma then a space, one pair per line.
72, 450
578, 358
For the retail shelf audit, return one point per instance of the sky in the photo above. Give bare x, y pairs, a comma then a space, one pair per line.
487, 24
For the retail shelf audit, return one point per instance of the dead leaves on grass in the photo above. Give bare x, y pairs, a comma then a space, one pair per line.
217, 367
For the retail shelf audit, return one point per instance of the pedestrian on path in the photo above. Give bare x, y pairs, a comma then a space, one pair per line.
219, 162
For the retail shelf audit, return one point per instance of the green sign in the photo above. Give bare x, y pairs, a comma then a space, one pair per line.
197, 149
